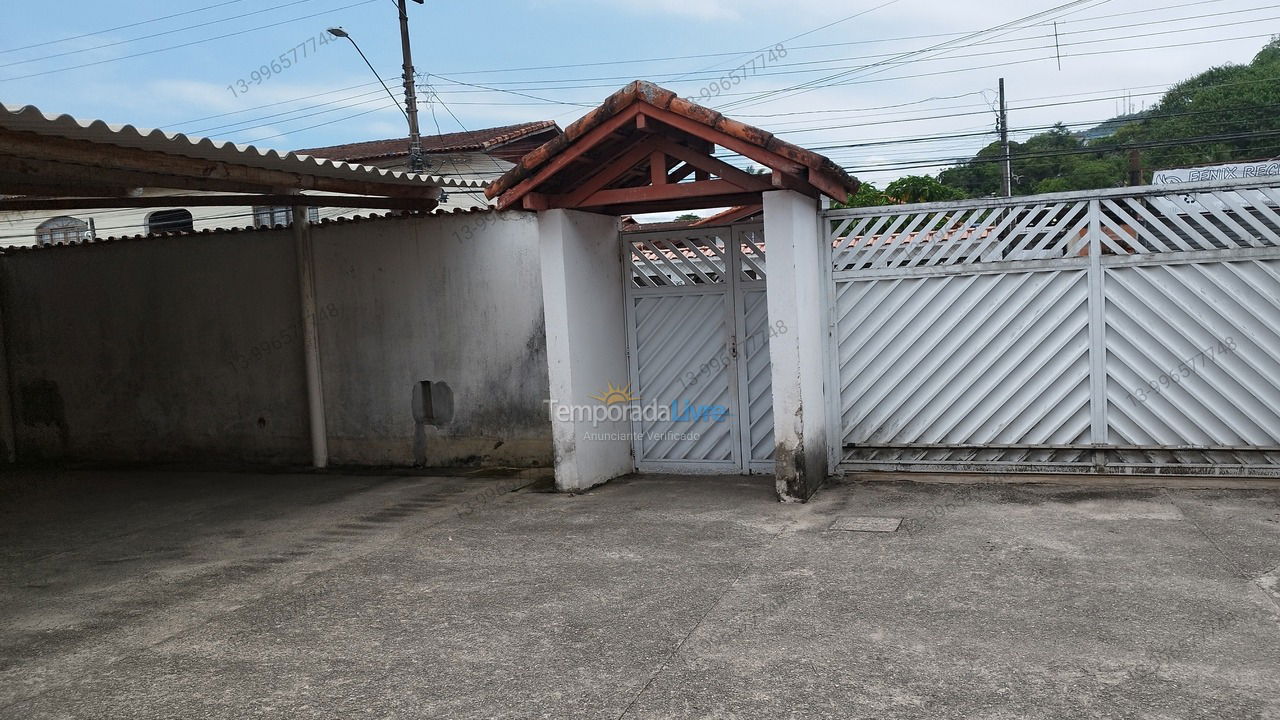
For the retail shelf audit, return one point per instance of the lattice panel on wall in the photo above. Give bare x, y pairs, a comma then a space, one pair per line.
670, 260
960, 236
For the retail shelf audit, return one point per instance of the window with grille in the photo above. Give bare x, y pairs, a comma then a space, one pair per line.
269, 217
61, 229
167, 221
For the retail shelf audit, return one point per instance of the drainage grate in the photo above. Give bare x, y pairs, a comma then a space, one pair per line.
863, 523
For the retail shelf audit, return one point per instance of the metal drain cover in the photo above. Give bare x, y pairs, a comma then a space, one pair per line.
864, 523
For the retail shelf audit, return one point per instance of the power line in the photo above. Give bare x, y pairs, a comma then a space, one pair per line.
511, 92
801, 47
445, 105
886, 66
907, 56
312, 127
485, 89
1049, 37
1199, 140
240, 126
1023, 62
182, 45
1031, 107
152, 35
860, 13
120, 27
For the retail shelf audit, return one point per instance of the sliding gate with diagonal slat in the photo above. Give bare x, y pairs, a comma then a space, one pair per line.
1133, 331
698, 338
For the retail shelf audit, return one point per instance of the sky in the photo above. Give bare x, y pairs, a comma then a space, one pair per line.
884, 76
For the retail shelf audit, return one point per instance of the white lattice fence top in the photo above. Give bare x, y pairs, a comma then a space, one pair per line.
1190, 221
663, 260
1062, 225
961, 236
694, 258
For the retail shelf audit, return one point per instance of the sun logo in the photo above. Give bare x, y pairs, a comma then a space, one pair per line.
614, 395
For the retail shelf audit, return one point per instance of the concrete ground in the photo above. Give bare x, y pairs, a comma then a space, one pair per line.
166, 595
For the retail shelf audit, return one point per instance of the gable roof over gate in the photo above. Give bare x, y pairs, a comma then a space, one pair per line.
636, 152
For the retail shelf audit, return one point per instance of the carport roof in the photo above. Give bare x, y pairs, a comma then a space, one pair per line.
634, 153
61, 156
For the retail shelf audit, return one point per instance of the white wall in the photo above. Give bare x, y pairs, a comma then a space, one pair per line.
798, 262
454, 299
189, 348
586, 340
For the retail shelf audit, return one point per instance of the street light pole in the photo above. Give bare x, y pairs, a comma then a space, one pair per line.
410, 109
410, 94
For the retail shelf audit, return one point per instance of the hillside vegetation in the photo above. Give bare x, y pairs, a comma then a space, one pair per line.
1231, 104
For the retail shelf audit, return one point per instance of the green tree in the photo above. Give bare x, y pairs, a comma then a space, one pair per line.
868, 195
920, 188
1237, 101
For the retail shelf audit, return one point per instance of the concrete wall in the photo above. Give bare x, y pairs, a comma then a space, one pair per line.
586, 341
456, 300
162, 349
189, 348
798, 265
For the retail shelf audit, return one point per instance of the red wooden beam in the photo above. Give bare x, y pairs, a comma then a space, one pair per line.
755, 152
682, 172
535, 201
787, 181
568, 155
657, 168
654, 193
679, 204
715, 166
832, 189
613, 170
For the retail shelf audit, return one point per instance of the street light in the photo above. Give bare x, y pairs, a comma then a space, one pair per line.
410, 109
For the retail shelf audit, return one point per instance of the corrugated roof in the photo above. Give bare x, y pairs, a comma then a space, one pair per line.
31, 119
482, 139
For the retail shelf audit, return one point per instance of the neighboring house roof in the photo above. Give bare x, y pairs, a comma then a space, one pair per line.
504, 142
316, 173
643, 124
731, 215
724, 217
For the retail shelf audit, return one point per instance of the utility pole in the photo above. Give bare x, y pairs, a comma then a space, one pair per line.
410, 95
1135, 167
1006, 164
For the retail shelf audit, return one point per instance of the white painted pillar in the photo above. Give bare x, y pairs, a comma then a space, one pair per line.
586, 343
310, 337
797, 298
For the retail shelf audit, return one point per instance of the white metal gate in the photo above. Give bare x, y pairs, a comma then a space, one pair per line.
698, 344
1133, 331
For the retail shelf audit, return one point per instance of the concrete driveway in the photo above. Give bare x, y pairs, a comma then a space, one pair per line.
202, 595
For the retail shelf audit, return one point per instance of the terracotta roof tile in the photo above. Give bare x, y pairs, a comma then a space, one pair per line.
824, 174
473, 140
